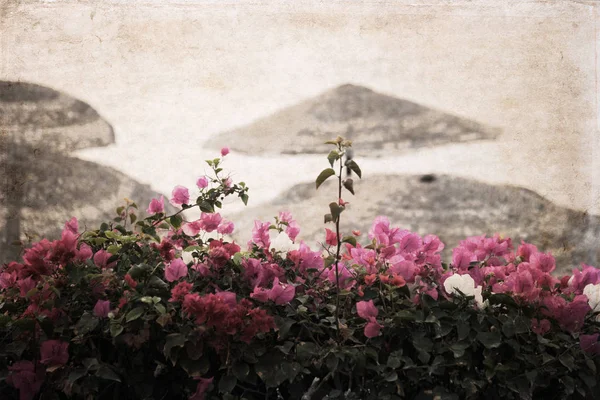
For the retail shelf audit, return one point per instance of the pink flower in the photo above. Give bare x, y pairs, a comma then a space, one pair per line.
156, 206
372, 329
281, 293
410, 243
540, 327
54, 352
292, 230
228, 298
543, 262
192, 228
225, 227
27, 378
366, 309
525, 250
227, 182
181, 195
102, 308
574, 313
72, 226
224, 151
260, 294
406, 269
380, 230
260, 234
8, 280
179, 291
25, 285
202, 182
101, 259
210, 222
330, 237
202, 387
84, 253
461, 258
589, 343
130, 281
176, 270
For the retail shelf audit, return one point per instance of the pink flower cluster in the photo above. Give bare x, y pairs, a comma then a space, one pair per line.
227, 316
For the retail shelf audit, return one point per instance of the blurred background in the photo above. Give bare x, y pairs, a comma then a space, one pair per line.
467, 118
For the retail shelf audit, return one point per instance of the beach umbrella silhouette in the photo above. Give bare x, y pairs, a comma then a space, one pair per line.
42, 186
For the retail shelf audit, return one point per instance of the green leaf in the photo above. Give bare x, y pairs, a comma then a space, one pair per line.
306, 350
160, 308
333, 157
134, 314
490, 340
156, 283
459, 348
75, 375
115, 329
207, 207
105, 372
328, 218
568, 361
335, 210
354, 167
324, 175
227, 384
86, 324
349, 184
391, 376
173, 340
176, 221
349, 239
240, 370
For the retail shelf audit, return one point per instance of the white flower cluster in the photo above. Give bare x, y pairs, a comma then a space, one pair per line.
466, 285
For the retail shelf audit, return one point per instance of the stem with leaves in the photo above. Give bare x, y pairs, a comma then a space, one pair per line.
337, 207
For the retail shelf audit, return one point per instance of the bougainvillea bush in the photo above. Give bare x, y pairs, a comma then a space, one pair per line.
165, 308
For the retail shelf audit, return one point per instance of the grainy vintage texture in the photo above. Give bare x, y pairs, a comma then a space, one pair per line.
170, 76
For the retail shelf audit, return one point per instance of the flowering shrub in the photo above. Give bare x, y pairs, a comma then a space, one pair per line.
165, 308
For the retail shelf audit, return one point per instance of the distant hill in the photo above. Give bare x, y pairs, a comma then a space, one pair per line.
451, 207
377, 123
41, 185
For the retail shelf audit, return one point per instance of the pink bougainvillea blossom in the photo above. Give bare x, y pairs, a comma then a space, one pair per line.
260, 234
156, 206
225, 227
210, 221
330, 237
54, 353
281, 293
27, 377
367, 310
179, 291
180, 196
102, 308
224, 151
201, 388
176, 270
540, 327
101, 259
192, 228
589, 343
202, 182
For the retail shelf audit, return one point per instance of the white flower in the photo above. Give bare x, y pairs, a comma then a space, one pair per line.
466, 285
593, 294
283, 244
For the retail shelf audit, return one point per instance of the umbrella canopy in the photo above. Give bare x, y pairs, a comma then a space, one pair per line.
377, 124
42, 186
451, 207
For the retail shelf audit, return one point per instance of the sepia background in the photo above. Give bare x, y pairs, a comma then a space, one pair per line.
495, 102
